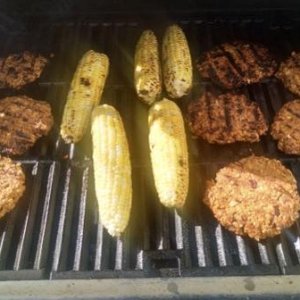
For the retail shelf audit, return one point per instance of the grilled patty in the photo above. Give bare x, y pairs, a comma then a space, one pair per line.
226, 118
22, 121
255, 196
12, 184
286, 128
17, 70
289, 73
231, 65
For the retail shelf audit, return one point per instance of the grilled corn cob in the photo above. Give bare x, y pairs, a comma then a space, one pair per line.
147, 74
169, 155
112, 169
85, 92
177, 63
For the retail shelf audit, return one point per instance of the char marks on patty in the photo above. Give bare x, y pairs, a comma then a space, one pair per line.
231, 65
17, 70
22, 121
226, 118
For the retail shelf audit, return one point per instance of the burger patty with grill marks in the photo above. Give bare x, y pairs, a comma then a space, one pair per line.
12, 184
22, 121
289, 73
255, 196
231, 65
286, 128
226, 118
17, 70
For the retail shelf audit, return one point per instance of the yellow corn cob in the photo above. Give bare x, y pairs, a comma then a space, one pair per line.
177, 63
169, 155
147, 75
84, 94
112, 169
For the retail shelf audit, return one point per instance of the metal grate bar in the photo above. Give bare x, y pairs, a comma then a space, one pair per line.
203, 258
99, 247
6, 236
224, 258
45, 230
80, 232
28, 225
245, 252
63, 232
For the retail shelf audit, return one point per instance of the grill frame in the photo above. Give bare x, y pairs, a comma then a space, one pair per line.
170, 246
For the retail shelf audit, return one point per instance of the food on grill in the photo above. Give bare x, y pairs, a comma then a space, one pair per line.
255, 196
176, 62
286, 128
147, 74
289, 73
17, 70
12, 184
84, 94
231, 65
169, 154
226, 118
22, 122
112, 169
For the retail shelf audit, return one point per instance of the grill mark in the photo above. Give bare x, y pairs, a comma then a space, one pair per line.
256, 113
33, 107
4, 128
33, 61
258, 57
214, 71
264, 62
297, 115
241, 54
235, 65
208, 100
213, 74
3, 63
227, 114
250, 72
240, 108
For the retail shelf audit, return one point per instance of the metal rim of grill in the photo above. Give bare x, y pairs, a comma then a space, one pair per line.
54, 232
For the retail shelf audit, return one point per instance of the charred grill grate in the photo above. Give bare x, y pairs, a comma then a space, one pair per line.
54, 231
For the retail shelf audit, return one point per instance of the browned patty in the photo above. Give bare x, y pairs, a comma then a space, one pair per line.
22, 121
286, 127
12, 184
289, 73
17, 70
255, 196
231, 65
226, 118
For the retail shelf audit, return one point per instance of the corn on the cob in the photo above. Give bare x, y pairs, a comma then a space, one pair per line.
112, 169
169, 155
85, 92
177, 63
147, 74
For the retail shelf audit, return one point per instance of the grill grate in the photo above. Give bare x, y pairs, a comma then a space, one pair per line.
54, 231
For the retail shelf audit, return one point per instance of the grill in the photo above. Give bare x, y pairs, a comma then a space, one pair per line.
54, 231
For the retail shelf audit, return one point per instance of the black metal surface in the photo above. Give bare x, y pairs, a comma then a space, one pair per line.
54, 231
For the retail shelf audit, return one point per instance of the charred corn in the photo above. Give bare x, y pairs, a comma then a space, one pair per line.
85, 92
112, 169
169, 155
177, 63
147, 74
